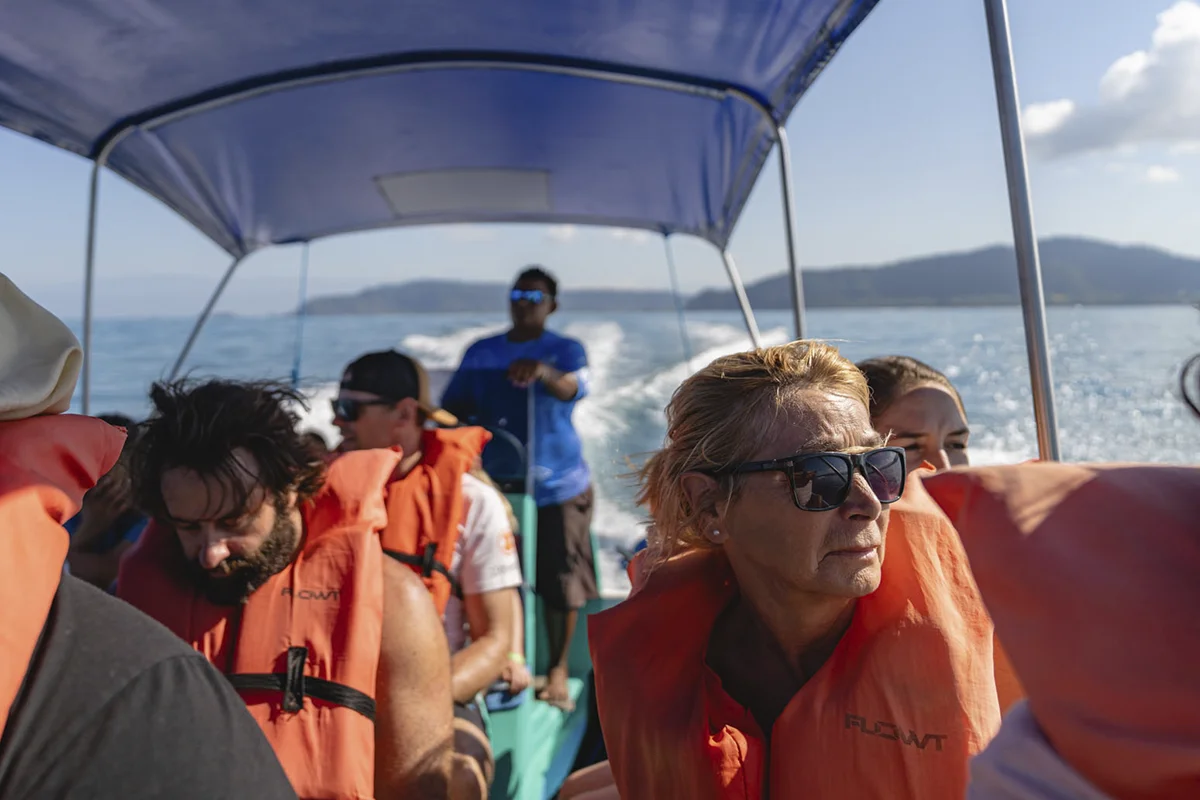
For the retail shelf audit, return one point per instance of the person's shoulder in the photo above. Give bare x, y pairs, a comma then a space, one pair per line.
102, 629
481, 495
109, 684
488, 343
482, 351
411, 623
562, 342
474, 488
561, 338
89, 627
404, 593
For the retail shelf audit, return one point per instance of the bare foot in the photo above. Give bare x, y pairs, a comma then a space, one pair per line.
555, 693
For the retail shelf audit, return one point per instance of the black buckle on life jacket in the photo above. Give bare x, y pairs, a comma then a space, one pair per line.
428, 561
293, 681
295, 686
428, 564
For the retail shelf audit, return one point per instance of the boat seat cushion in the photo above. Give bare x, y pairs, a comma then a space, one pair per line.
1090, 574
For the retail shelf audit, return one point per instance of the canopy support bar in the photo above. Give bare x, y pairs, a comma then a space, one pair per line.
684, 339
789, 227
203, 318
739, 291
1029, 270
301, 313
89, 274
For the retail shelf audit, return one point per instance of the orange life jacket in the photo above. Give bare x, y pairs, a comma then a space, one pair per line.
907, 697
425, 508
1101, 620
47, 464
304, 649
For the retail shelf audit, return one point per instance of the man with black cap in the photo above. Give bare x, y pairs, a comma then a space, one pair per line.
444, 522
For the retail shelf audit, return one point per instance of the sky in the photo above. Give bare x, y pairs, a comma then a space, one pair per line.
896, 152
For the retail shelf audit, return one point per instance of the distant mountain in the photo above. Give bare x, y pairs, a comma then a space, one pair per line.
1075, 271
428, 296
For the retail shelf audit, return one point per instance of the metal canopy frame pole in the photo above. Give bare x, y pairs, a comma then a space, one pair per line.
684, 339
789, 227
739, 291
301, 312
1029, 270
203, 318
89, 271
89, 274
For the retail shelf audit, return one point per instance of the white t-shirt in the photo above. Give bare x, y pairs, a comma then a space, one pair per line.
1021, 763
485, 558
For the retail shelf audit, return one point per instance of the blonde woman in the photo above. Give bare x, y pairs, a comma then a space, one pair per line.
796, 628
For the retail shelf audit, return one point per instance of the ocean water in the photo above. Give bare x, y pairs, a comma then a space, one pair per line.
1115, 372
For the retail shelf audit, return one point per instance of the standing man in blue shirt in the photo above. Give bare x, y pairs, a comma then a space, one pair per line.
492, 386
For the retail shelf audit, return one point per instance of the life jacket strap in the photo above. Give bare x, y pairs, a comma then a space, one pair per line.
295, 686
428, 565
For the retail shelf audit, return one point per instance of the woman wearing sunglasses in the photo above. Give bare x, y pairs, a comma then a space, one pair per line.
804, 623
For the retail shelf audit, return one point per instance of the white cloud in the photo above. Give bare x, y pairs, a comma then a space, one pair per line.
1186, 149
562, 233
1150, 96
1045, 118
1161, 174
630, 235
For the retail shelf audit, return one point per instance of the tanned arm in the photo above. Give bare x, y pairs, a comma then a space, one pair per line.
414, 734
479, 664
561, 385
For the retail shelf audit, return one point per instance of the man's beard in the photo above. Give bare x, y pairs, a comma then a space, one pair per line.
238, 577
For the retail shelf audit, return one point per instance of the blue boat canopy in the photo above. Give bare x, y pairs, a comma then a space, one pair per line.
287, 120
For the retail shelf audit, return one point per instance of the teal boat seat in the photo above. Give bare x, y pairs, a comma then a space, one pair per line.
535, 745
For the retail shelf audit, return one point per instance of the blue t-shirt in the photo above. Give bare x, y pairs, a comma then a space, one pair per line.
480, 390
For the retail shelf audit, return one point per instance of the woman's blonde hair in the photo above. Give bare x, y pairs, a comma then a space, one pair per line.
722, 416
514, 526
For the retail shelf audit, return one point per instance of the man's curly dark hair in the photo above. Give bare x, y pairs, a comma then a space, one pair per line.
198, 426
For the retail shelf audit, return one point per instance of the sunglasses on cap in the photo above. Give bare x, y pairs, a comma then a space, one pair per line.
535, 296
350, 410
821, 481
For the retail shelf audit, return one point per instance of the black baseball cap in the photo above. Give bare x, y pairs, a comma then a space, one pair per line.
394, 376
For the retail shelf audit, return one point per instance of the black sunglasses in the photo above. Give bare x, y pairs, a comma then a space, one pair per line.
344, 408
535, 296
821, 481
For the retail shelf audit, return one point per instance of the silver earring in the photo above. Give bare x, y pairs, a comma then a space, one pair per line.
716, 532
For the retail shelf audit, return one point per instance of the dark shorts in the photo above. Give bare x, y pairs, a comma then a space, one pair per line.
566, 571
470, 737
